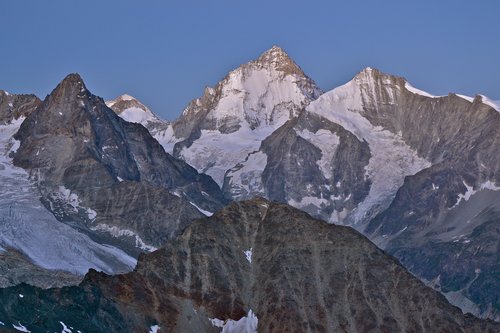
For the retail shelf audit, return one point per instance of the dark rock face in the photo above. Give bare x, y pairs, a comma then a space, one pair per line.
297, 171
16, 268
87, 161
302, 275
15, 106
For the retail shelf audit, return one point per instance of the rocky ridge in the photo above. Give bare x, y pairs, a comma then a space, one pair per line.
256, 263
113, 187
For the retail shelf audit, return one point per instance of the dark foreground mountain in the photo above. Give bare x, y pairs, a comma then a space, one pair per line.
256, 265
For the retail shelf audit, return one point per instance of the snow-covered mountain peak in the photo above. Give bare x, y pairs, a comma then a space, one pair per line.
373, 76
268, 90
127, 99
245, 107
131, 109
276, 58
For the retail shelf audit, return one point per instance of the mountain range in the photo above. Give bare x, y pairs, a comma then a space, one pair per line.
89, 184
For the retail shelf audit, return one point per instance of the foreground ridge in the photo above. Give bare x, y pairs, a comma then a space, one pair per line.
269, 263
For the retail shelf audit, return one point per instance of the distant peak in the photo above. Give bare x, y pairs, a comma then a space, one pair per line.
73, 79
369, 71
122, 98
276, 50
374, 75
278, 59
72, 82
274, 54
72, 85
131, 109
126, 97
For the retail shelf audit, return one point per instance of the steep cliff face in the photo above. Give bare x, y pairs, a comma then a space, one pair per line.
441, 221
13, 106
107, 176
35, 247
264, 265
311, 163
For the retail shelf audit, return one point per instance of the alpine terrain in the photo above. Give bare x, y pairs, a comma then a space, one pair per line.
253, 266
71, 159
418, 174
268, 205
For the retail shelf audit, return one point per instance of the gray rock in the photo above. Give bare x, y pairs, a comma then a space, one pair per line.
16, 268
15, 106
296, 171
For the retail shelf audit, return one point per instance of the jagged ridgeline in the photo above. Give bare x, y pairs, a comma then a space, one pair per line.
255, 265
113, 187
416, 173
88, 184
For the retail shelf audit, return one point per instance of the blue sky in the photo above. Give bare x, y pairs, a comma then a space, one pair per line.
165, 52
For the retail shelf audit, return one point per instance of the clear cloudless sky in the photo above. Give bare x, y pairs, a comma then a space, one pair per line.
165, 52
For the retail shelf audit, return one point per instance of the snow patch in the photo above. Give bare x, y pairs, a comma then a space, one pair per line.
467, 98
246, 178
214, 153
490, 102
137, 115
65, 328
20, 327
488, 185
154, 329
414, 90
391, 158
248, 255
117, 232
247, 324
327, 142
308, 201
70, 198
166, 138
21, 295
204, 212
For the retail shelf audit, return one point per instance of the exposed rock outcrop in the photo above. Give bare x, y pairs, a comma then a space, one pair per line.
294, 273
